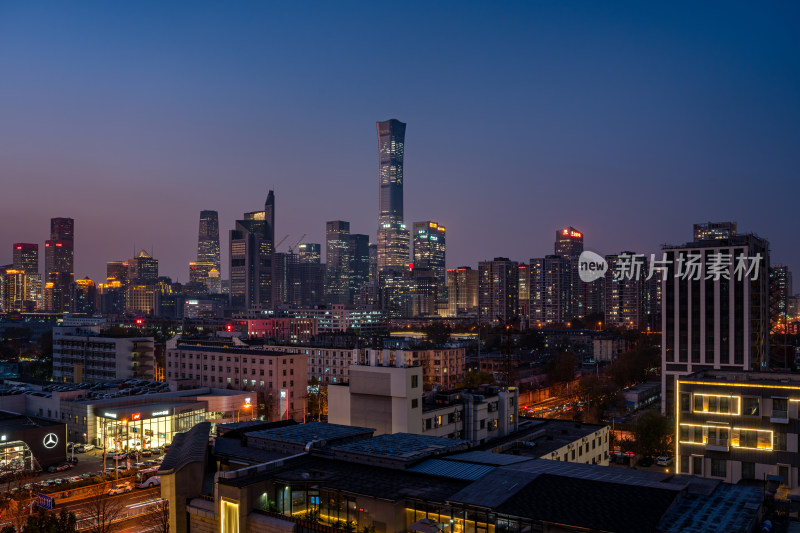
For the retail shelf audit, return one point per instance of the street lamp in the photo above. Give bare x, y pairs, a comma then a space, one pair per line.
245, 406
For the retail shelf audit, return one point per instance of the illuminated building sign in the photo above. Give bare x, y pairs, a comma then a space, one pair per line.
110, 415
161, 413
136, 416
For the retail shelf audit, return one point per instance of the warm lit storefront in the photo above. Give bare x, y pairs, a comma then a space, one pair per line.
146, 426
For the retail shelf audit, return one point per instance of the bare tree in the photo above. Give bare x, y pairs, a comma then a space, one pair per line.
157, 520
103, 509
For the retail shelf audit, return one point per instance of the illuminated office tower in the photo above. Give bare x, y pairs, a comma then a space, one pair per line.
569, 246
83, 296
59, 263
309, 253
252, 251
142, 269
208, 239
721, 321
429, 253
13, 290
201, 272
392, 232
462, 288
498, 291
117, 271
338, 272
26, 258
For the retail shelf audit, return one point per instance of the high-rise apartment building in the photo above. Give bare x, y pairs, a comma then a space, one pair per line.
569, 246
462, 287
550, 290
59, 263
715, 308
626, 296
392, 232
337, 250
252, 245
208, 239
312, 275
498, 291
569, 242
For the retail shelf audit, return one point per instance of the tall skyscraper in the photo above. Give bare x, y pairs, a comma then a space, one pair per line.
569, 246
498, 291
392, 232
429, 253
26, 257
59, 263
719, 322
142, 269
252, 245
569, 242
338, 273
359, 264
208, 239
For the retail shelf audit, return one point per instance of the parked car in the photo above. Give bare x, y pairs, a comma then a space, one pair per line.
645, 462
59, 468
664, 460
119, 489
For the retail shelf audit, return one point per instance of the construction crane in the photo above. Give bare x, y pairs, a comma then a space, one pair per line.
295, 245
281, 242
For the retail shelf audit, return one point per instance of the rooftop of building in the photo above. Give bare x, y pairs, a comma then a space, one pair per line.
730, 508
538, 437
744, 239
739, 378
305, 433
14, 421
399, 448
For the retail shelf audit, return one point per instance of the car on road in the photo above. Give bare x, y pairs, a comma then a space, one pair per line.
116, 455
59, 468
664, 460
118, 489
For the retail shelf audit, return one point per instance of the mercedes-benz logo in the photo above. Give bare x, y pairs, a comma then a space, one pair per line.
50, 440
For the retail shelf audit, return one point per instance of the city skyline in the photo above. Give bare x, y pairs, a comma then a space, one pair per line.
683, 125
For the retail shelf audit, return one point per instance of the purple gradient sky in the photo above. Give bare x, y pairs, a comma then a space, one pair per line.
628, 121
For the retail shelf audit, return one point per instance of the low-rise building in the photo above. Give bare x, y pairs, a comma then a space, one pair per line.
735, 425
88, 353
442, 367
280, 379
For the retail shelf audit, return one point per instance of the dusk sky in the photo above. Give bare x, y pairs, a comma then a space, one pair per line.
629, 121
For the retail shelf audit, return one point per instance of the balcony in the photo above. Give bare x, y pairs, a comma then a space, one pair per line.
718, 445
